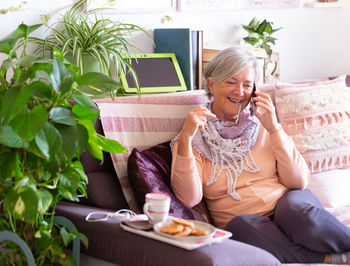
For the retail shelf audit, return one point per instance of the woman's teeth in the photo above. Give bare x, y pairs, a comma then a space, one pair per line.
235, 100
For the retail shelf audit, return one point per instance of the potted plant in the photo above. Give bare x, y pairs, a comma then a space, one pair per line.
42, 135
259, 34
87, 38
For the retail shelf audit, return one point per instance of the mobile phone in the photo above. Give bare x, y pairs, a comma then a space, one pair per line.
252, 108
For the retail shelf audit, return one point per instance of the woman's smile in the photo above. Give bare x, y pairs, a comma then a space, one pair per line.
232, 94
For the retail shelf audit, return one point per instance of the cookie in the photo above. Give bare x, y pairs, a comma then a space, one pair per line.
183, 222
185, 232
172, 228
199, 232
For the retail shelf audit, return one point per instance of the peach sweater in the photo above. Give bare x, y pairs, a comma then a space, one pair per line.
281, 168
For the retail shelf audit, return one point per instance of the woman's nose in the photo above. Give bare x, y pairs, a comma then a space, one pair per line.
241, 89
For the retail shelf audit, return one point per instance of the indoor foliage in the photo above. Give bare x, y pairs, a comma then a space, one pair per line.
42, 135
82, 32
259, 34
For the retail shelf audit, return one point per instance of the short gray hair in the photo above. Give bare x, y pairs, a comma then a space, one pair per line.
228, 63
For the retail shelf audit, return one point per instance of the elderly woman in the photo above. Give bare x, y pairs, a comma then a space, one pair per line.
235, 155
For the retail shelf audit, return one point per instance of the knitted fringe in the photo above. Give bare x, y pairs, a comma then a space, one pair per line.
329, 163
325, 119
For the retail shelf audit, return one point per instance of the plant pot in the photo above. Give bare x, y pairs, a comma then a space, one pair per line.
90, 63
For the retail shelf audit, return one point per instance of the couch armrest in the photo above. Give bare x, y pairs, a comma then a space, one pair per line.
108, 241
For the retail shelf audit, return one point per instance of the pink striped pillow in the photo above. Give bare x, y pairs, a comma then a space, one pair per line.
143, 123
317, 117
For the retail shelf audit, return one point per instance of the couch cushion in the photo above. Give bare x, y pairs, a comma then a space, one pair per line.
143, 122
332, 187
104, 191
103, 188
149, 171
108, 241
317, 117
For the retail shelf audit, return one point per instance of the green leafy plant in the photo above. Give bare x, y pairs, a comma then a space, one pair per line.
86, 33
46, 123
259, 34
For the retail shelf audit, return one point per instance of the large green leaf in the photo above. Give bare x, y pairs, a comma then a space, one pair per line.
44, 200
84, 100
7, 44
22, 204
66, 237
13, 102
110, 145
49, 140
83, 138
41, 90
70, 178
93, 83
69, 142
248, 29
268, 28
63, 116
8, 63
27, 60
82, 237
93, 144
22, 31
58, 54
9, 138
58, 74
251, 40
28, 123
69, 183
262, 27
95, 150
24, 181
79, 168
84, 112
39, 68
66, 85
9, 164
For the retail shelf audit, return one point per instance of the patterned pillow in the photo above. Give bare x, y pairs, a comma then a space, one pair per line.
143, 122
317, 117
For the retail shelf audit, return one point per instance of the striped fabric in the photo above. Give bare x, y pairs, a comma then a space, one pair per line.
142, 123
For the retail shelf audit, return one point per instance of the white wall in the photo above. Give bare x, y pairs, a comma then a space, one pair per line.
314, 42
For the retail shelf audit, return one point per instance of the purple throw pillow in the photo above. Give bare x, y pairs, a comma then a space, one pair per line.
149, 171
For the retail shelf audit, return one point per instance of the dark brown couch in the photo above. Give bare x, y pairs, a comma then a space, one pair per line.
108, 241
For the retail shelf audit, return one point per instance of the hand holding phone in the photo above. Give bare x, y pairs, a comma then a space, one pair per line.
253, 106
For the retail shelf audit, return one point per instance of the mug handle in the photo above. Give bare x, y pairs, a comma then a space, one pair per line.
145, 209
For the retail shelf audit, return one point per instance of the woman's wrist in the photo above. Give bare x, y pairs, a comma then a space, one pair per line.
275, 129
184, 146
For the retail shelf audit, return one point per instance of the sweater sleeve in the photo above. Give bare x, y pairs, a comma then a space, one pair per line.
185, 179
292, 169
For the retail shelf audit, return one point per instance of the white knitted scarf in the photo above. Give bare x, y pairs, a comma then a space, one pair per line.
228, 148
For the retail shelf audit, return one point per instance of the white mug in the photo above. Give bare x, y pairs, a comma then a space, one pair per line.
156, 207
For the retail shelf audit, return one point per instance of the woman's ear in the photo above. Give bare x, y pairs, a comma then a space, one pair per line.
210, 86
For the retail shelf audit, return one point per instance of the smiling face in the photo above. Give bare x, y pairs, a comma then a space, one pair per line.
227, 93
